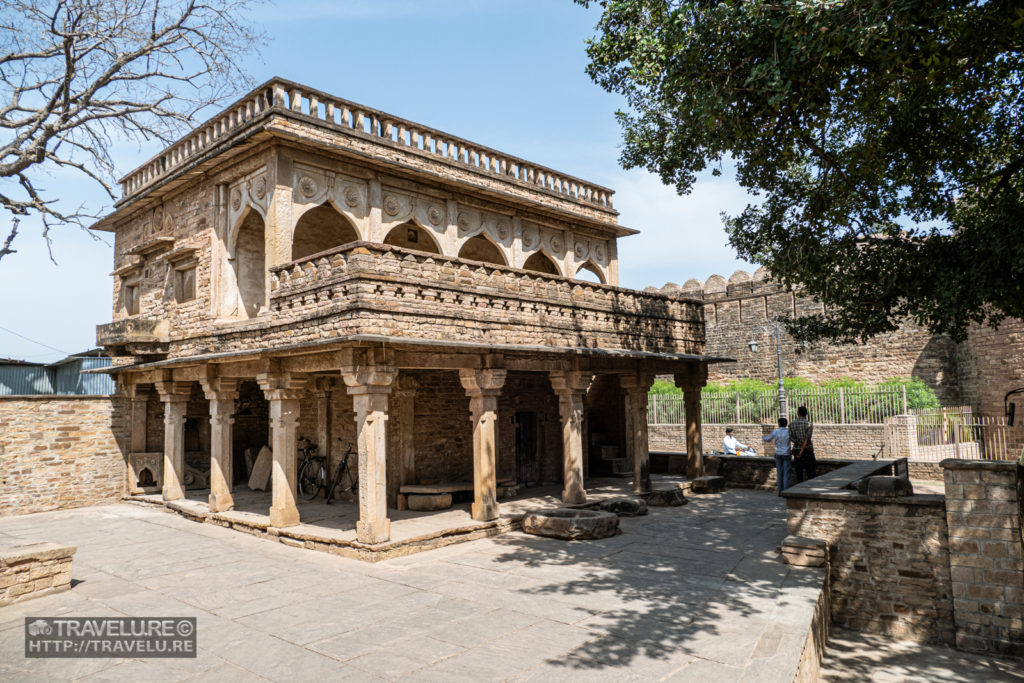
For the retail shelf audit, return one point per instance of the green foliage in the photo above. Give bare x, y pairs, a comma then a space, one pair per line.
663, 387
919, 395
886, 140
843, 382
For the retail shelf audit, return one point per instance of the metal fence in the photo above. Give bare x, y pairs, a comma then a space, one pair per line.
955, 432
826, 406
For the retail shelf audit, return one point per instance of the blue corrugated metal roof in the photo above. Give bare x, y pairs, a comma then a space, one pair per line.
61, 378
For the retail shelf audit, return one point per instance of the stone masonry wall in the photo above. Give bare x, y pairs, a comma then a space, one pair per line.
889, 563
830, 441
32, 570
736, 309
991, 363
60, 452
984, 513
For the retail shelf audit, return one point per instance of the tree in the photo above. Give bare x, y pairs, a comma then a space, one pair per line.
78, 75
885, 138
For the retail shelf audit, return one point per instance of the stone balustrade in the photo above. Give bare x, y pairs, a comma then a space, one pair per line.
278, 95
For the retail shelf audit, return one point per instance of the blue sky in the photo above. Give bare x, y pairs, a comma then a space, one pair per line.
508, 74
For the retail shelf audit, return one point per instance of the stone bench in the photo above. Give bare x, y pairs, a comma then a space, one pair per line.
423, 497
32, 570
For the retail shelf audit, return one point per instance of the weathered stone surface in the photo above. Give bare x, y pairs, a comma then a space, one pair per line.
261, 469
428, 501
666, 497
31, 570
571, 524
624, 507
713, 484
804, 552
881, 486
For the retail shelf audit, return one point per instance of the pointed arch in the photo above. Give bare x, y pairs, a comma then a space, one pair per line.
410, 235
248, 264
481, 248
589, 272
540, 262
319, 229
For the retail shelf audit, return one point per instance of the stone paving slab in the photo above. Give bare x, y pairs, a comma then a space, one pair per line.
690, 593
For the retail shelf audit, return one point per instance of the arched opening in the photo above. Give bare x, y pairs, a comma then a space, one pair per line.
588, 272
479, 248
321, 229
146, 478
250, 266
541, 263
408, 235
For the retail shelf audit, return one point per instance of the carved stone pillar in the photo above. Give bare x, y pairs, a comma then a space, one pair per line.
138, 407
370, 387
691, 382
175, 399
322, 398
222, 394
483, 388
283, 391
571, 387
405, 399
637, 388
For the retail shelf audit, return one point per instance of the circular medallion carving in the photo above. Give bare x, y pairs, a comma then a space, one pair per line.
502, 230
463, 223
351, 196
599, 252
259, 187
391, 205
528, 239
434, 215
556, 245
236, 199
307, 186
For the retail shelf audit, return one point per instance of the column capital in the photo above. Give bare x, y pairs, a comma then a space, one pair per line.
172, 391
571, 381
322, 385
218, 388
485, 382
131, 388
638, 381
405, 385
693, 378
369, 379
282, 386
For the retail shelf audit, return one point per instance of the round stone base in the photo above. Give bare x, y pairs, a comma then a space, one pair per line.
570, 524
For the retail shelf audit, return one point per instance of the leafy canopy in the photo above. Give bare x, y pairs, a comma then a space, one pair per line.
885, 138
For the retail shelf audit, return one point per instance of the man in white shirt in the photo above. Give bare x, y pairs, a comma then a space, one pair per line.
783, 456
731, 445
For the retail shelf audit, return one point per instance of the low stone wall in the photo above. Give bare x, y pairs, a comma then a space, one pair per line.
32, 570
61, 452
756, 473
984, 504
937, 568
860, 441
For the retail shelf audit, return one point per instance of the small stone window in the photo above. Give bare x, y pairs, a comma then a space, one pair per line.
131, 298
185, 283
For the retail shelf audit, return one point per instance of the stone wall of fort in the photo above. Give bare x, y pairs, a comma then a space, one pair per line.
59, 452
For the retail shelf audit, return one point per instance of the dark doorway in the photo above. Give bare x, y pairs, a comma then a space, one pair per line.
527, 462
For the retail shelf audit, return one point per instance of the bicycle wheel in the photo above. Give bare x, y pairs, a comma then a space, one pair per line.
309, 479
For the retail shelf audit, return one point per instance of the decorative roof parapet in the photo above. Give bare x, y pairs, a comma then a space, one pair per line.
281, 96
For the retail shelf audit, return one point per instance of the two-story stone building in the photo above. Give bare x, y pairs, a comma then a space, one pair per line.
301, 265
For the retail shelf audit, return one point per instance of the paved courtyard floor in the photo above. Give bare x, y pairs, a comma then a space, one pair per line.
692, 593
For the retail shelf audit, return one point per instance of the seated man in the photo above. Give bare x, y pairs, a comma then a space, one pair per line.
731, 445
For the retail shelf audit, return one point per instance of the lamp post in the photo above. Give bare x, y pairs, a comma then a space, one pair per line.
783, 410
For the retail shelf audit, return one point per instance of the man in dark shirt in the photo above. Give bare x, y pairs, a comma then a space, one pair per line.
800, 431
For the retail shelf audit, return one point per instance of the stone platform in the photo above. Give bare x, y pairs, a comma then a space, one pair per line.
332, 528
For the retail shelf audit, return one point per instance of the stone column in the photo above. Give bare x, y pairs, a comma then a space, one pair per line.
370, 387
138, 398
283, 391
175, 399
405, 399
691, 382
483, 388
637, 388
322, 396
222, 394
571, 387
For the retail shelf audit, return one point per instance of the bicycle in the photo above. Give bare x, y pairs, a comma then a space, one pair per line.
343, 474
312, 474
